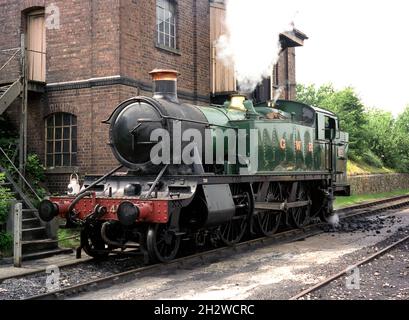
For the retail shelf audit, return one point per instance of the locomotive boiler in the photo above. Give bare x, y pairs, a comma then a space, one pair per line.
206, 174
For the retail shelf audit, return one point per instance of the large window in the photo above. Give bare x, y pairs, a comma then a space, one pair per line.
61, 140
166, 23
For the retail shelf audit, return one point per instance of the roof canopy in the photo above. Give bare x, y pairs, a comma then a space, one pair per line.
294, 38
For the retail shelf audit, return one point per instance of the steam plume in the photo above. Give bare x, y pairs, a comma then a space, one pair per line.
252, 42
334, 220
277, 94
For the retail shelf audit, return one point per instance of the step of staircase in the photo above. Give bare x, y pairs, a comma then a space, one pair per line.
45, 254
34, 235
35, 239
31, 223
34, 246
38, 233
29, 213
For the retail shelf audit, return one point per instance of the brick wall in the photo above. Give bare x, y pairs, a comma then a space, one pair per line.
10, 21
99, 39
286, 74
139, 54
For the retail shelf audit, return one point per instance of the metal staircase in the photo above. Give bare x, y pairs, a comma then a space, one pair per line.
38, 239
8, 94
34, 232
12, 84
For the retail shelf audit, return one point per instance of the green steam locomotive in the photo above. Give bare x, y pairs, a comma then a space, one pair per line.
206, 175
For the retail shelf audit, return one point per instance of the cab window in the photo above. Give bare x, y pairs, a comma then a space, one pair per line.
326, 127
330, 128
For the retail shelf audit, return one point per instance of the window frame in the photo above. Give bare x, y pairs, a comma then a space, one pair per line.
72, 140
166, 42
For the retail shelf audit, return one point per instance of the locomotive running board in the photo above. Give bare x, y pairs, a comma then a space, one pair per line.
277, 206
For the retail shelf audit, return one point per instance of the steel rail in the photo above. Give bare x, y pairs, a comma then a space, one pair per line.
281, 234
123, 277
280, 238
345, 271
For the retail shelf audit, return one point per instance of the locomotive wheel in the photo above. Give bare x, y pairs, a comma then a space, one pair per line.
162, 244
233, 231
301, 216
269, 221
93, 244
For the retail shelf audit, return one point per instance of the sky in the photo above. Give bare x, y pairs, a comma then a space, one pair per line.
363, 44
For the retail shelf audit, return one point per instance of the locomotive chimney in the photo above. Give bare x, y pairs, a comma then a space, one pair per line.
165, 84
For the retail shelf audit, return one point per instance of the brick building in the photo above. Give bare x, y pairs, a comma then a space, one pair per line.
85, 57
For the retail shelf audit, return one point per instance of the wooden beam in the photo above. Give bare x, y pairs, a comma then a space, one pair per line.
18, 225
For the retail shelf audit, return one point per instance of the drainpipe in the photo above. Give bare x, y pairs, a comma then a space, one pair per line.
287, 76
23, 114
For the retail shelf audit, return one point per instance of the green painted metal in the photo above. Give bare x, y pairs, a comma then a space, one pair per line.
287, 136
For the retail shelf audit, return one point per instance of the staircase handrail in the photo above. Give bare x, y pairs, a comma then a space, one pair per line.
11, 58
20, 174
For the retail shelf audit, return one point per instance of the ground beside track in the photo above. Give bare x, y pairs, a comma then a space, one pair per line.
7, 270
273, 272
386, 278
73, 273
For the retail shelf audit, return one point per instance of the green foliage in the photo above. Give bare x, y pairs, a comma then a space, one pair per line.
314, 96
381, 136
342, 202
5, 197
376, 138
402, 140
35, 171
372, 159
361, 168
66, 240
8, 142
6, 241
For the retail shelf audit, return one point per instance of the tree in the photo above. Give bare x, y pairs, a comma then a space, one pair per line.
376, 137
382, 136
346, 104
402, 139
312, 96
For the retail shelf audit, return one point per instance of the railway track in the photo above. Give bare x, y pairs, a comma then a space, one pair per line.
338, 275
216, 254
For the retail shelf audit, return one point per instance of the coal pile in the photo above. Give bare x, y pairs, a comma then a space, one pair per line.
364, 225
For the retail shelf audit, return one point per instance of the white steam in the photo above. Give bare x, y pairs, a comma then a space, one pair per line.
252, 42
334, 220
277, 95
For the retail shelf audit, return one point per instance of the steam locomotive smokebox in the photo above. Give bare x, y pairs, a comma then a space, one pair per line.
134, 121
